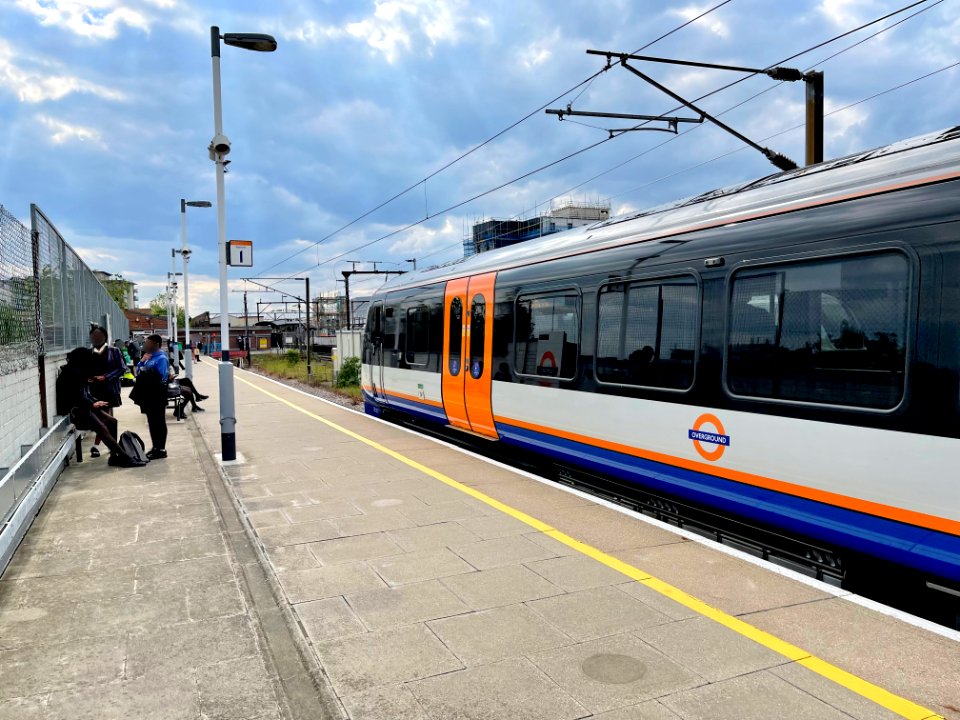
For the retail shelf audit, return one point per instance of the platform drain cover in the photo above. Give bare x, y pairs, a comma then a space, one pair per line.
613, 669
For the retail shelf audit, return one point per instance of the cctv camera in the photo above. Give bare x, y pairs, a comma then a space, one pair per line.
220, 145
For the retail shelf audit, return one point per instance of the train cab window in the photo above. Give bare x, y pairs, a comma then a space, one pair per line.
455, 350
548, 335
417, 340
831, 331
478, 333
647, 333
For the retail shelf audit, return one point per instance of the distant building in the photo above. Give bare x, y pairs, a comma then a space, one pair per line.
123, 291
144, 322
492, 234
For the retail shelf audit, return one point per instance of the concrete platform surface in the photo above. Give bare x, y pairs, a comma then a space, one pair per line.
351, 569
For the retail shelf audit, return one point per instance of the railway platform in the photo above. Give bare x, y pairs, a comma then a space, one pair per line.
345, 567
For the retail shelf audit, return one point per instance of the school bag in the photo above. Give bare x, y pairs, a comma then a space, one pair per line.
133, 446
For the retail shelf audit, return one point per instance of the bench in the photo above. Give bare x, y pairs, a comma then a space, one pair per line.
178, 403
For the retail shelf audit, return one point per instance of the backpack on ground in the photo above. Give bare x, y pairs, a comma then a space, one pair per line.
133, 446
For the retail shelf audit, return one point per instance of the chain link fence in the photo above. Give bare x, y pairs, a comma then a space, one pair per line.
71, 297
19, 339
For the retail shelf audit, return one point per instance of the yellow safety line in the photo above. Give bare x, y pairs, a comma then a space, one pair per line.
884, 698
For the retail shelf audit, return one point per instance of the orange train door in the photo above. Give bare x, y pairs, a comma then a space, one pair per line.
467, 353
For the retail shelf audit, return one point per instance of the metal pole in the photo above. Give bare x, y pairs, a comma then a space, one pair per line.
309, 366
346, 293
228, 420
170, 276
246, 328
814, 86
185, 254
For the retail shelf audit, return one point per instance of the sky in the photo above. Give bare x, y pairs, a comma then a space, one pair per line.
106, 114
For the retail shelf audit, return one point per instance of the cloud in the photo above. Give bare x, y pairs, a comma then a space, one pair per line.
36, 86
844, 13
62, 132
710, 22
422, 240
94, 19
396, 26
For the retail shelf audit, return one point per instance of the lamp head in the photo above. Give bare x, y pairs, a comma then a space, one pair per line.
199, 203
251, 41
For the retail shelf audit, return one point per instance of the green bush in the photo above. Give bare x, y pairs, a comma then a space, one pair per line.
349, 373
293, 357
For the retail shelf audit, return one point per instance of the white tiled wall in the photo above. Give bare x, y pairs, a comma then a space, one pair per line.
19, 413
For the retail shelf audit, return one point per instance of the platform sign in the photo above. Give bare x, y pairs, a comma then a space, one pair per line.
550, 353
264, 343
240, 253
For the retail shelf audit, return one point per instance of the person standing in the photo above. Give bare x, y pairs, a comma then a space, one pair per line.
107, 367
150, 393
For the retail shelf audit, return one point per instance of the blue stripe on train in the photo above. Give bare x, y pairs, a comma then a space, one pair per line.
422, 411
926, 550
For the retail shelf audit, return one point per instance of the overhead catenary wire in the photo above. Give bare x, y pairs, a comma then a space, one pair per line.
592, 146
779, 133
584, 84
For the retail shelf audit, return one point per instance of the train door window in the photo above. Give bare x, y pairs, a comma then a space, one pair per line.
456, 336
548, 335
390, 330
417, 350
372, 332
478, 334
647, 333
830, 331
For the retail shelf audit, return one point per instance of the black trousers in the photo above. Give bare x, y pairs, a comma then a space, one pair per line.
157, 422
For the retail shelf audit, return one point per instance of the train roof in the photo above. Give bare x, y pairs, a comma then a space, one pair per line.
927, 158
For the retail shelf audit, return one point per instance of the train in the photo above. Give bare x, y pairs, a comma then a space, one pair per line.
781, 356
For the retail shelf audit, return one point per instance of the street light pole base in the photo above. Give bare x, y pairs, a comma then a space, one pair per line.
228, 446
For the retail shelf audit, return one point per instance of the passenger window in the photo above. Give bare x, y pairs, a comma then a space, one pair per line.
830, 332
454, 352
478, 332
647, 333
417, 351
548, 335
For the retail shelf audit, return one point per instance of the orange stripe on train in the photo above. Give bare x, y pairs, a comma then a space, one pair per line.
910, 517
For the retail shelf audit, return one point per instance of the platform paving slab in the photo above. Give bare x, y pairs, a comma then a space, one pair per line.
478, 638
512, 688
597, 612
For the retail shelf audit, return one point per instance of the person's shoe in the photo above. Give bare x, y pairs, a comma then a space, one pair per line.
155, 454
197, 408
94, 452
201, 398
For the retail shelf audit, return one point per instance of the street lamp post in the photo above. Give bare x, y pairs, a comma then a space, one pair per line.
219, 148
185, 254
172, 309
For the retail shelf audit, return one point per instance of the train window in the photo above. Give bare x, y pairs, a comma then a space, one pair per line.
372, 334
478, 333
389, 328
831, 331
417, 350
548, 335
647, 333
454, 352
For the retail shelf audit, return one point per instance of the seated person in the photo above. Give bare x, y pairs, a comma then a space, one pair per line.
86, 412
189, 392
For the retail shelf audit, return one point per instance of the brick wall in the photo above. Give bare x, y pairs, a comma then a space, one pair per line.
20, 418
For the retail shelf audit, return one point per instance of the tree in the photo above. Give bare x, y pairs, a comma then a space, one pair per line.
118, 289
158, 308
